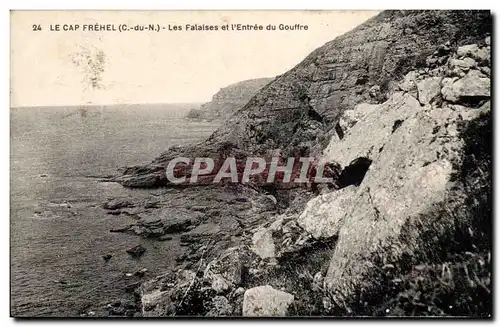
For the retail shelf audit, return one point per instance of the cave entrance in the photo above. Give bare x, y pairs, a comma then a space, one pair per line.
355, 172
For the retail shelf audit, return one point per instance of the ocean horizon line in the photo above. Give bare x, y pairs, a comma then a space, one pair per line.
108, 105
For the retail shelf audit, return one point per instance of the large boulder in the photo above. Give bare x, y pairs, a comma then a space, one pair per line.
323, 215
429, 89
263, 243
409, 83
474, 85
265, 301
481, 54
367, 139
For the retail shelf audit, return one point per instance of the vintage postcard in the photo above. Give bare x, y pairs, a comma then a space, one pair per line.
250, 164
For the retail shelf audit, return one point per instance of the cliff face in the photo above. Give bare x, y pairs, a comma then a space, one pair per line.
231, 98
298, 111
304, 104
402, 105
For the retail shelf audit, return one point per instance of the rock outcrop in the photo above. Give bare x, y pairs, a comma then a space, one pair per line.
297, 112
323, 215
401, 105
265, 301
229, 99
415, 195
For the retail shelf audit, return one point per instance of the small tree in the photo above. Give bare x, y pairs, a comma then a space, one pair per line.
92, 62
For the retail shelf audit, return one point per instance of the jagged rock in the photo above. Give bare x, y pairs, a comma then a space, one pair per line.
323, 216
107, 257
295, 112
429, 89
473, 85
399, 201
468, 115
117, 204
283, 235
375, 91
366, 140
239, 291
136, 251
486, 71
447, 87
263, 243
409, 83
350, 117
165, 221
263, 203
474, 51
226, 271
151, 300
220, 307
265, 301
142, 181
458, 66
219, 284
149, 176
277, 224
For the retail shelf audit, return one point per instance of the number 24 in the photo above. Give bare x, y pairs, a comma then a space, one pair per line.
37, 28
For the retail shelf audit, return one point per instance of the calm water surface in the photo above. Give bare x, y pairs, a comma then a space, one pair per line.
58, 230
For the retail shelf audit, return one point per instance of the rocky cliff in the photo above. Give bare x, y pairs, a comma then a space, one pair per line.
297, 112
229, 99
422, 197
402, 104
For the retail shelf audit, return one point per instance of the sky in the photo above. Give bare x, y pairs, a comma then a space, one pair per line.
51, 68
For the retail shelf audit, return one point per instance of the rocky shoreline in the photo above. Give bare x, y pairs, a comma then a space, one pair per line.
406, 94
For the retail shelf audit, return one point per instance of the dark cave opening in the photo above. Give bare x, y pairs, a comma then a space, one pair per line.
355, 172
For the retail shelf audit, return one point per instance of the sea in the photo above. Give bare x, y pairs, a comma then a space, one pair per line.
58, 229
